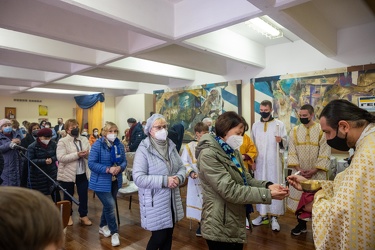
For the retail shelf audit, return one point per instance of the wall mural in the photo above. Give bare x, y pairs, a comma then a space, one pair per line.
191, 105
289, 93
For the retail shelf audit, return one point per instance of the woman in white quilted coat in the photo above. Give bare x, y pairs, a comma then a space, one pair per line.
72, 153
158, 172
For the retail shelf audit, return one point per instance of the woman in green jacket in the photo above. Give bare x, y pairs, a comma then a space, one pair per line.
228, 186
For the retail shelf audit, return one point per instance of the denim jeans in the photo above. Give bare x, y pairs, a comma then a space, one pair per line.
108, 214
82, 190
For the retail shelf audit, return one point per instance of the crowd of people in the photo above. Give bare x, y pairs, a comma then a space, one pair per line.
226, 171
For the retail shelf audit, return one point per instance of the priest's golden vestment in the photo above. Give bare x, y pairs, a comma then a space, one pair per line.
344, 209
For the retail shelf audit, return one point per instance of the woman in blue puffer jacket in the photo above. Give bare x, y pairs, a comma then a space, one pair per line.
107, 162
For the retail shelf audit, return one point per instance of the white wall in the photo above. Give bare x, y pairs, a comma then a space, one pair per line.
30, 110
136, 106
109, 113
57, 107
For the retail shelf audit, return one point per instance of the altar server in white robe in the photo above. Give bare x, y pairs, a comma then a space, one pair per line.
194, 198
270, 138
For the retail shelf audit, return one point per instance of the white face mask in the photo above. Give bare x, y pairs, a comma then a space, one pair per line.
45, 141
161, 134
111, 137
235, 141
84, 134
95, 133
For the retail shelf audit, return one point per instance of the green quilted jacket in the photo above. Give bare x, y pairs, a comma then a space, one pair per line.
224, 193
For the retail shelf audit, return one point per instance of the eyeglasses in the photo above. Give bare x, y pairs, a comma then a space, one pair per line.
160, 127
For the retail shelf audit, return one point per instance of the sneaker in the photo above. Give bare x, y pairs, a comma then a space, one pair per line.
300, 228
260, 221
198, 232
247, 224
115, 240
105, 231
275, 224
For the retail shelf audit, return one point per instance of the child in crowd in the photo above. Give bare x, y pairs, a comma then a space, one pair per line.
194, 190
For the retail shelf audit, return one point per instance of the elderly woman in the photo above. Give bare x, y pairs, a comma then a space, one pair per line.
158, 171
227, 185
72, 153
43, 153
107, 162
12, 171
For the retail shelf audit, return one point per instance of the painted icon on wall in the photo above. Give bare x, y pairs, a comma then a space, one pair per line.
43, 110
10, 113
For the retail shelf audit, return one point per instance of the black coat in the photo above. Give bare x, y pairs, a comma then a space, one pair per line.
177, 135
136, 137
38, 155
25, 142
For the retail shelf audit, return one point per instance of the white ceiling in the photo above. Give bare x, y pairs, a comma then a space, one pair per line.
122, 47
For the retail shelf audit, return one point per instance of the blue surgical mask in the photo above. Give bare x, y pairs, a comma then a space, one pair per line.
7, 130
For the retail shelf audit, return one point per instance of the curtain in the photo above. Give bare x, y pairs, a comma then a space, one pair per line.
94, 106
87, 101
79, 117
95, 115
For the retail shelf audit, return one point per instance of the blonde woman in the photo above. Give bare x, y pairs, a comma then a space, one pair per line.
107, 162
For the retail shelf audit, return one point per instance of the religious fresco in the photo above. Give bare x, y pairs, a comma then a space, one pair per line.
191, 105
290, 93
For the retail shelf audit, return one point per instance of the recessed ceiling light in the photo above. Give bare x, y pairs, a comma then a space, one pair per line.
62, 91
262, 26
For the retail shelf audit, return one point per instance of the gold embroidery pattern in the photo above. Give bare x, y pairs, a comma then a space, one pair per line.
344, 213
308, 154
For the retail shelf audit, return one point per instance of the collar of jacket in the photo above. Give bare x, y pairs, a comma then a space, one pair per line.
208, 141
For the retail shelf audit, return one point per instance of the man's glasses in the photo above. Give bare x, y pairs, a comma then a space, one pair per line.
160, 127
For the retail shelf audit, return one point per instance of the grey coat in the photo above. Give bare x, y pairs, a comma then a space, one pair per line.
150, 174
224, 192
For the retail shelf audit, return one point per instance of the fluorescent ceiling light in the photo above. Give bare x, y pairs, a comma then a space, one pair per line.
62, 91
260, 25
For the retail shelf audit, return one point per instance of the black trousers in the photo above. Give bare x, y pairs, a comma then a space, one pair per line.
162, 239
217, 245
82, 190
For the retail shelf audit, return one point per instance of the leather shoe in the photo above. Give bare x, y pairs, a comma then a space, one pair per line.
85, 221
70, 222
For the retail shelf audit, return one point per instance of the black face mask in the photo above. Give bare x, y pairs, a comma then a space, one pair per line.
304, 120
74, 132
265, 114
338, 143
35, 132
